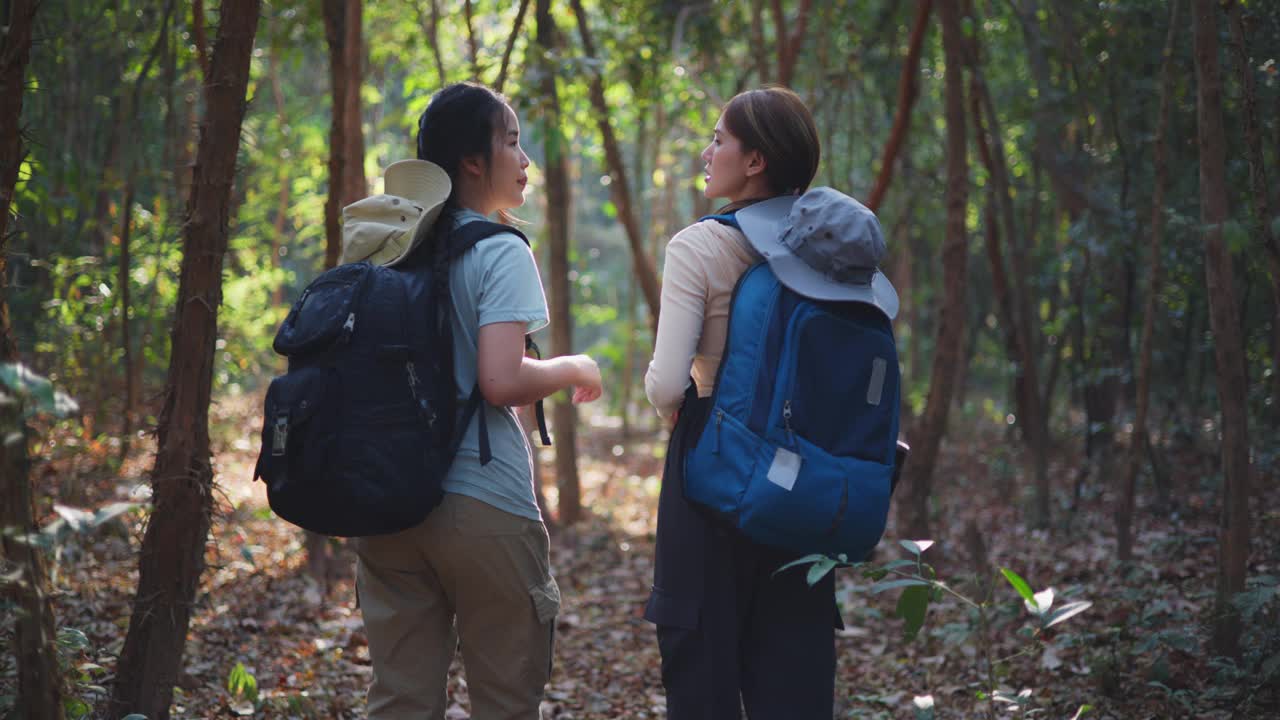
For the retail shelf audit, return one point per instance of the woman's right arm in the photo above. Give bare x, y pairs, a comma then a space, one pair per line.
684, 302
508, 378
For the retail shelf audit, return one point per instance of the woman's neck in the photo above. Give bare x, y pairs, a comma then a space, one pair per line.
471, 198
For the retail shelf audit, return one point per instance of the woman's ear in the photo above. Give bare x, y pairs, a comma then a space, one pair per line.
756, 163
473, 165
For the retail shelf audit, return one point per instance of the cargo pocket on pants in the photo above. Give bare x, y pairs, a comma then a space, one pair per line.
546, 605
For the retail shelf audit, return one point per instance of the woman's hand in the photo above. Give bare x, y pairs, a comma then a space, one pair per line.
587, 386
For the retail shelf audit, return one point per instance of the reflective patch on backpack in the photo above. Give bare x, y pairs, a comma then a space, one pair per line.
785, 469
876, 388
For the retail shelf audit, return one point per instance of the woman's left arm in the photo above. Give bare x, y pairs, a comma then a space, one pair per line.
684, 302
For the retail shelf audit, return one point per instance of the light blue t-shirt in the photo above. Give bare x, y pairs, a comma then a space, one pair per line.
495, 281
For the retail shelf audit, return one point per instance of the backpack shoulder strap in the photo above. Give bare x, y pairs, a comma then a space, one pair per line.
466, 236
730, 219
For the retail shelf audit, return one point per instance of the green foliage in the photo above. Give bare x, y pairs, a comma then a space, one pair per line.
919, 585
34, 392
242, 684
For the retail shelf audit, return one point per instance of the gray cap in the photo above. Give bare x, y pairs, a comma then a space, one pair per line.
824, 245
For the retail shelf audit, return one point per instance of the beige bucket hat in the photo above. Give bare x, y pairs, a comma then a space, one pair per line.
382, 228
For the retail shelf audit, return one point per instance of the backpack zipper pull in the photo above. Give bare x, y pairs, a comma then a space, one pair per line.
786, 422
280, 435
349, 326
715, 445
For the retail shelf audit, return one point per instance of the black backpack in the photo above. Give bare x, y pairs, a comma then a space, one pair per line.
358, 435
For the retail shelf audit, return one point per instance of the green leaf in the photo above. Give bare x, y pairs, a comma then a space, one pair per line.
901, 582
240, 682
37, 389
1066, 612
77, 520
72, 639
109, 512
1018, 584
802, 561
912, 606
916, 547
820, 570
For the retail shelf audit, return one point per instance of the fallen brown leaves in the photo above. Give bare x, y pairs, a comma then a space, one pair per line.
309, 657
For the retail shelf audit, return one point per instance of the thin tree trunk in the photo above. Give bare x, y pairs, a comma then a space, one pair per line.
126, 339
282, 203
335, 16
1015, 308
172, 556
39, 679
619, 187
918, 475
908, 91
199, 38
473, 46
757, 40
1138, 438
354, 183
39, 688
1261, 190
1224, 317
511, 44
557, 170
789, 44
433, 34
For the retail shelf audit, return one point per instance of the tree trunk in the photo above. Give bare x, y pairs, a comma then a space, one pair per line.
557, 169
344, 178
39, 690
1012, 298
39, 679
199, 38
172, 555
1224, 319
918, 474
908, 91
511, 44
619, 187
282, 202
126, 338
789, 44
1261, 191
15, 53
1138, 438
433, 35
473, 49
355, 185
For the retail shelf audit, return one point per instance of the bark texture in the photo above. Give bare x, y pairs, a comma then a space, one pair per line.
1138, 439
619, 186
918, 474
564, 414
1224, 320
172, 555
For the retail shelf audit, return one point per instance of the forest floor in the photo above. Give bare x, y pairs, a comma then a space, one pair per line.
1138, 652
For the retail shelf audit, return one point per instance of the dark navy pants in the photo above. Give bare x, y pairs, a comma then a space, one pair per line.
733, 634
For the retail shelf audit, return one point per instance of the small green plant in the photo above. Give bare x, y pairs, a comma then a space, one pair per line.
920, 586
243, 686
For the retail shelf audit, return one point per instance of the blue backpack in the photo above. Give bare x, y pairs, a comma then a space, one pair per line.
801, 447
359, 434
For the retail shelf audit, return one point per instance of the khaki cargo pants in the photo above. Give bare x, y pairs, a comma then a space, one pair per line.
469, 576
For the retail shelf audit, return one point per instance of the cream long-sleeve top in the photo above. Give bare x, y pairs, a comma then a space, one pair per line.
702, 266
